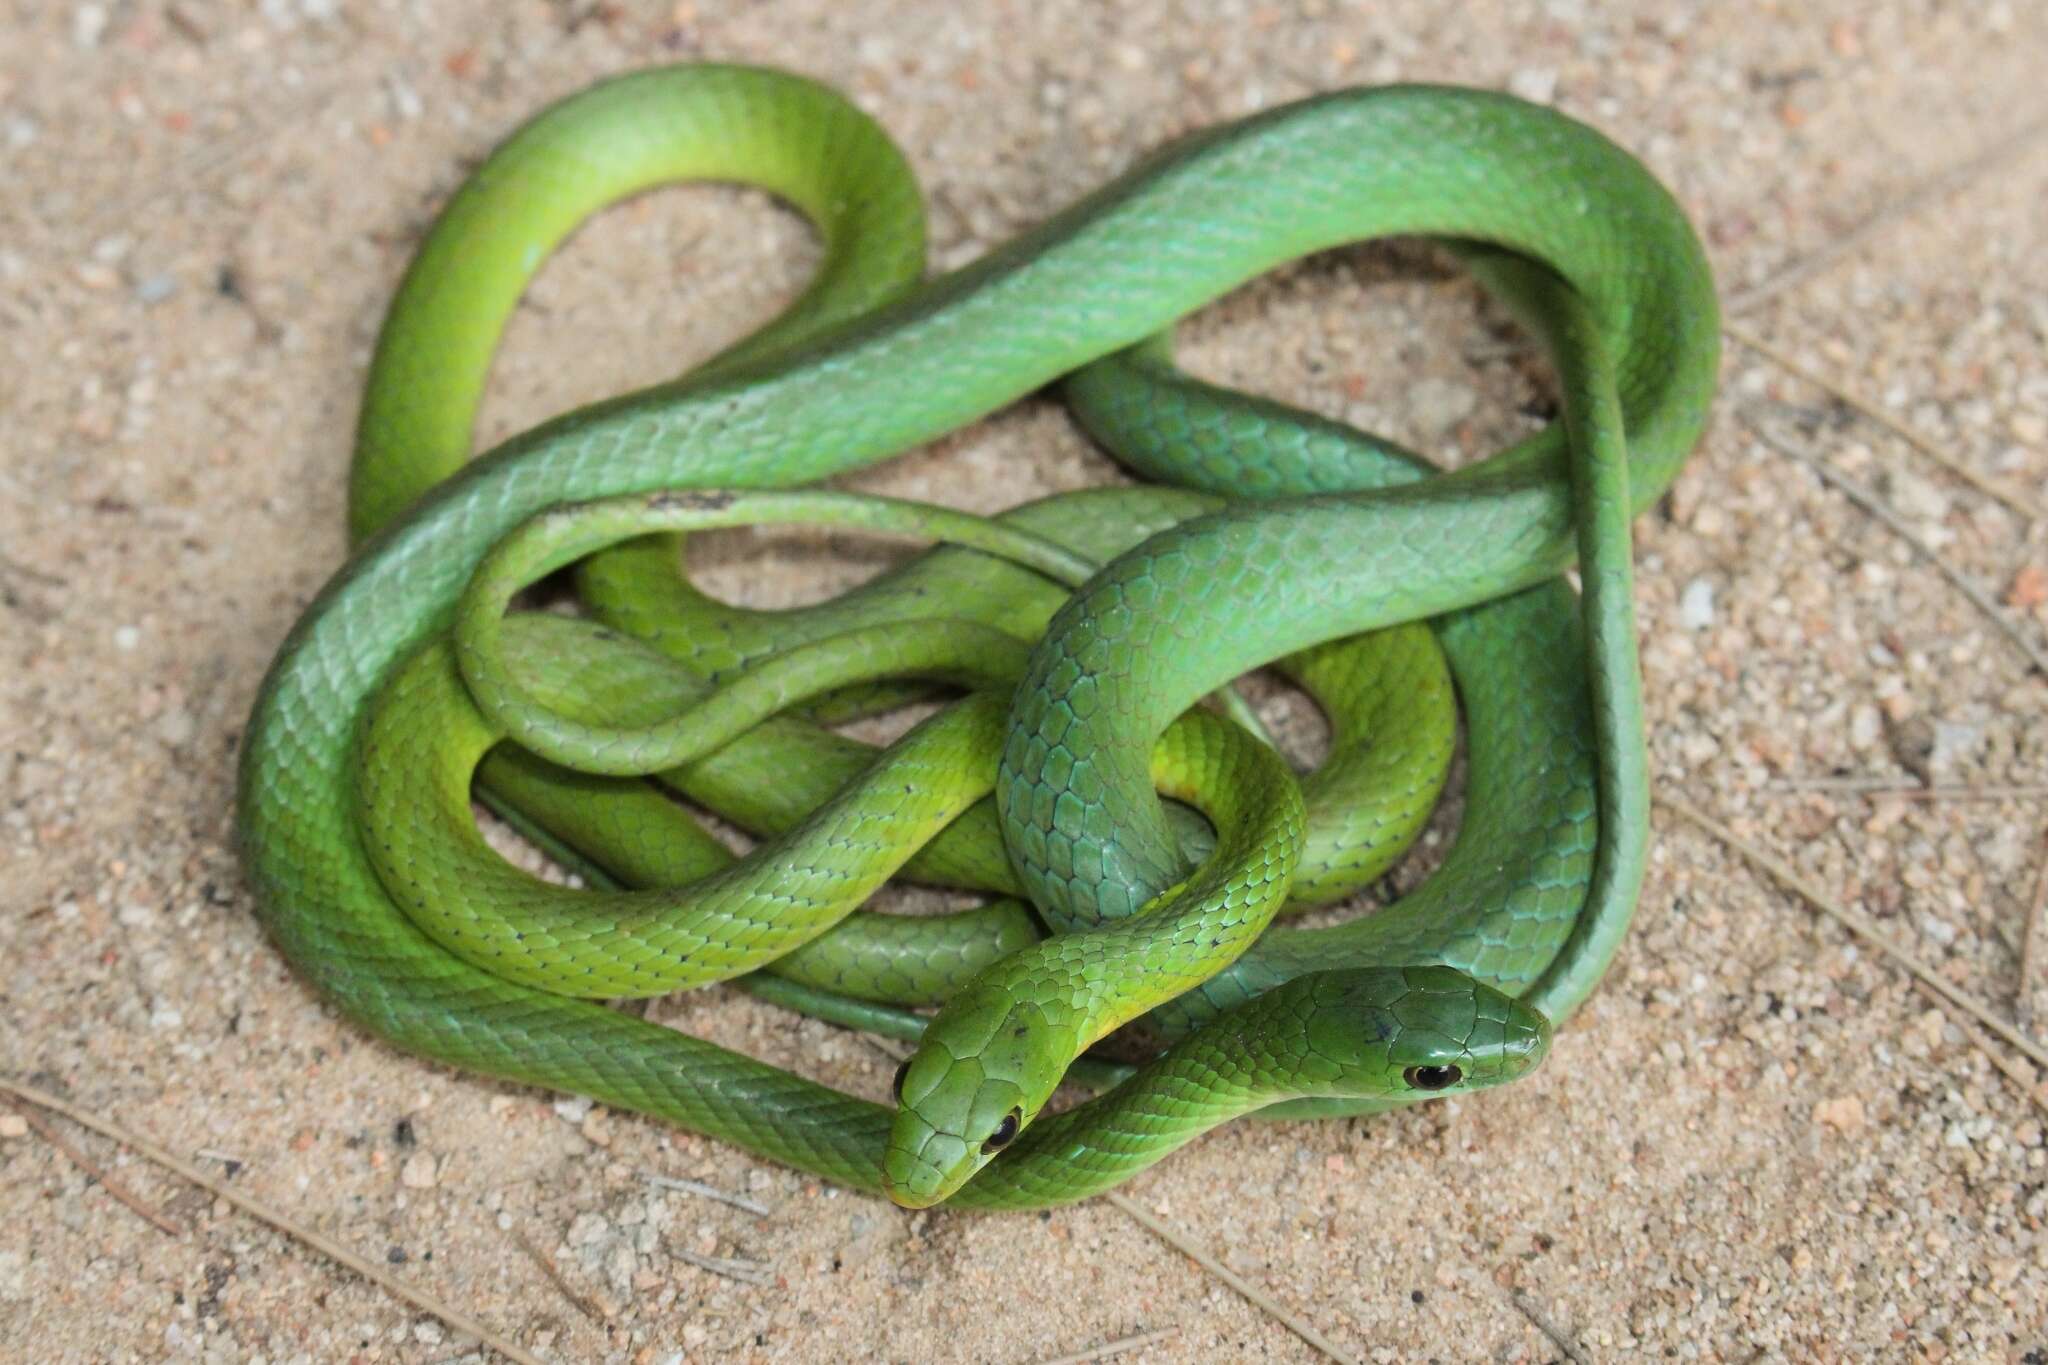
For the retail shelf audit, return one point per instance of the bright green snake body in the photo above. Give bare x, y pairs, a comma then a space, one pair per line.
357, 765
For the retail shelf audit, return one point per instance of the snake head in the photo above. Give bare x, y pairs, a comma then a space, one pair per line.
986, 1067
1445, 1033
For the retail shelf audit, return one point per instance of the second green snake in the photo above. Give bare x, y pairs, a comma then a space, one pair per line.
357, 762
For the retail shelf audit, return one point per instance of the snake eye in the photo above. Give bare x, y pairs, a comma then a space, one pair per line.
1432, 1077
896, 1086
1005, 1131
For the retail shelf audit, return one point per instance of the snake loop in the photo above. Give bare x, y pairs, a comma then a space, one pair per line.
1373, 580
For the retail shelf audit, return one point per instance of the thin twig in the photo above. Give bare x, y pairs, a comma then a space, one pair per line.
1876, 507
2031, 932
1889, 788
738, 1201
1834, 784
1862, 926
225, 1158
1898, 208
30, 572
1948, 794
1113, 1348
2018, 1072
318, 1241
577, 1298
218, 155
1559, 1338
747, 1272
1180, 1242
1912, 436
84, 1163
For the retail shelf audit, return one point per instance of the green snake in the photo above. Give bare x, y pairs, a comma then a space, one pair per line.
1088, 632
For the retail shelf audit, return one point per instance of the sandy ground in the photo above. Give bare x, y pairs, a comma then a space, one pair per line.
1760, 1140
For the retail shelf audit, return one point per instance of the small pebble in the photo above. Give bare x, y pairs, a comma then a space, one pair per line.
88, 25
1696, 605
2029, 587
405, 101
13, 1126
1916, 497
1440, 404
1954, 744
1537, 84
1844, 1113
420, 1172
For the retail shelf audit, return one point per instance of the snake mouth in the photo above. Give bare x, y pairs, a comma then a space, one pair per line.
923, 1167
1520, 1047
1528, 1042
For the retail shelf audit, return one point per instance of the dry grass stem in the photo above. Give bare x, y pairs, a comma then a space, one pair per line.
2031, 932
1556, 1335
2024, 1077
1864, 407
1113, 1348
318, 1241
698, 1188
1182, 1243
582, 1302
1896, 210
86, 1164
747, 1272
1863, 927
1876, 507
219, 155
1891, 788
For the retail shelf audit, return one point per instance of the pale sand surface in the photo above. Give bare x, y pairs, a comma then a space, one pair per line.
1759, 1141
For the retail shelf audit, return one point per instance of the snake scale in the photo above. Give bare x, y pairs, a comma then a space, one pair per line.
1090, 642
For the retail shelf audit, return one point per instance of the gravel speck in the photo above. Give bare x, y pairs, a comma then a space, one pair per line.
1537, 84
1696, 604
152, 289
1440, 404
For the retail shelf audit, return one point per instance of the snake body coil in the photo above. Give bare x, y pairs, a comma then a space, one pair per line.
1085, 628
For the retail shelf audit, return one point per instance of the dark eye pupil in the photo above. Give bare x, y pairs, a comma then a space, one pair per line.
897, 1084
1432, 1077
1005, 1130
